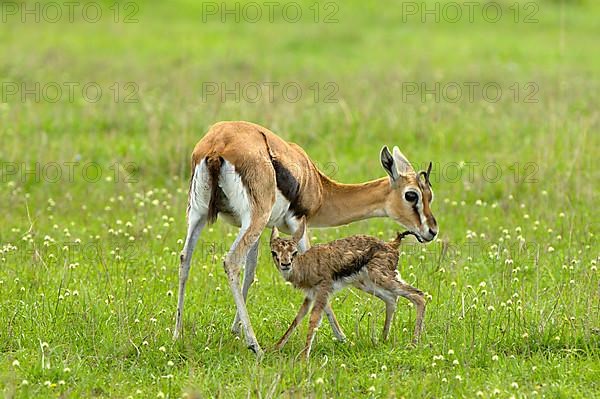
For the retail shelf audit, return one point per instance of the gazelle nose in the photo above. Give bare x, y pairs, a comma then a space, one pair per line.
433, 232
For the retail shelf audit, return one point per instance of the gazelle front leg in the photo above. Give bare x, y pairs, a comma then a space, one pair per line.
301, 313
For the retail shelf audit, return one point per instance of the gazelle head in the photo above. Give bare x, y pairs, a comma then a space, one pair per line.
409, 202
285, 250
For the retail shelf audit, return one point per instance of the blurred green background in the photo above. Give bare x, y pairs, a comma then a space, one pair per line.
357, 64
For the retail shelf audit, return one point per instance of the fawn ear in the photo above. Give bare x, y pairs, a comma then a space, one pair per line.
301, 231
274, 235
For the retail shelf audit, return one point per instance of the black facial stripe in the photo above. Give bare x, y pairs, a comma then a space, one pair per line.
416, 210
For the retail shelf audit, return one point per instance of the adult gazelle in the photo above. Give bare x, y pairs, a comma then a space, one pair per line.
254, 179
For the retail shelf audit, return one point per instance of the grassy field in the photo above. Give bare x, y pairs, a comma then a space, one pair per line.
94, 190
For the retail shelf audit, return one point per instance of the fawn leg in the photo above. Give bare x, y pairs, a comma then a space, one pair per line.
389, 298
315, 319
301, 313
390, 309
335, 326
417, 297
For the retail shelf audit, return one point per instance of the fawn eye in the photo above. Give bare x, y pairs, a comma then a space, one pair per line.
294, 253
411, 196
274, 254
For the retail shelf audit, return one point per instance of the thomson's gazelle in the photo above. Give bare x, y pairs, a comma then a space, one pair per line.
254, 179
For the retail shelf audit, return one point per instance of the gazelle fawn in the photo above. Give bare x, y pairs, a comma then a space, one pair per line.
364, 262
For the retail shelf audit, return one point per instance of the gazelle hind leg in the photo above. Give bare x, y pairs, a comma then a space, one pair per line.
246, 239
252, 200
249, 273
195, 225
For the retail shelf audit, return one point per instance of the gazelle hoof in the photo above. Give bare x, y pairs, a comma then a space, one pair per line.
257, 350
235, 328
176, 334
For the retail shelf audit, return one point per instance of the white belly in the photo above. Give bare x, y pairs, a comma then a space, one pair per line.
280, 212
238, 200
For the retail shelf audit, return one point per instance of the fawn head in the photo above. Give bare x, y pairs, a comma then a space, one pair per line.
285, 250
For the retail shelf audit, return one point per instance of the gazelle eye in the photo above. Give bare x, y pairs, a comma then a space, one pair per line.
411, 196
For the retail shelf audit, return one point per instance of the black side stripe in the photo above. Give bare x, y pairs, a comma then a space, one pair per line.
286, 183
357, 264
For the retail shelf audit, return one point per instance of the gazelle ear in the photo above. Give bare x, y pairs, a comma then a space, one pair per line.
274, 235
402, 163
387, 161
300, 231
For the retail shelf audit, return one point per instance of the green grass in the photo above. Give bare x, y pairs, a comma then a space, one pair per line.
513, 276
